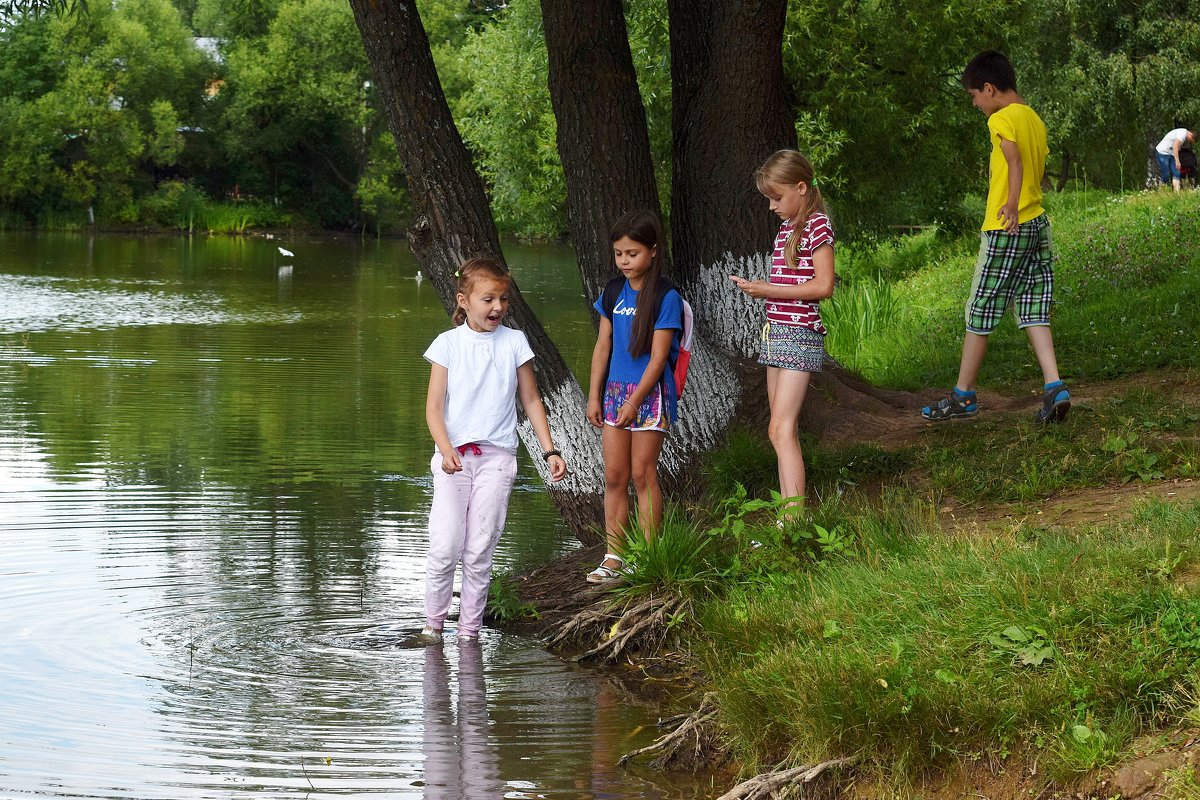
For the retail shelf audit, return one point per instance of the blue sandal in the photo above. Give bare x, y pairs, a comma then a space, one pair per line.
953, 406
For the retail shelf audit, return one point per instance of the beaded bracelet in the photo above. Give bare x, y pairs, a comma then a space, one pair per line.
546, 455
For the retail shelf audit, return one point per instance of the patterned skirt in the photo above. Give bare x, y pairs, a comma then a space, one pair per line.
791, 347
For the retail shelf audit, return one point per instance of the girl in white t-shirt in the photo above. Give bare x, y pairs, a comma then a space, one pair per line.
793, 341
478, 372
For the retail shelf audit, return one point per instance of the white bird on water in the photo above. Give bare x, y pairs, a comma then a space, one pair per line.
284, 252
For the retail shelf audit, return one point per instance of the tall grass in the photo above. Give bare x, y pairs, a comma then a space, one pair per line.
1127, 297
922, 646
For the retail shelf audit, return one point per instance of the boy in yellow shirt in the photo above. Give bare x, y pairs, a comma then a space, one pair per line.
1016, 259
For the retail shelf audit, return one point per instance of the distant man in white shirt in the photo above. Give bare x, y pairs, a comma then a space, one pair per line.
1167, 154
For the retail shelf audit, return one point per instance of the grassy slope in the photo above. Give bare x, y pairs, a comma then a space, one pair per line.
1127, 298
881, 633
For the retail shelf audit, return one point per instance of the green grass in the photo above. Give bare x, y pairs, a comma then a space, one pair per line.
871, 629
915, 647
1141, 434
1127, 297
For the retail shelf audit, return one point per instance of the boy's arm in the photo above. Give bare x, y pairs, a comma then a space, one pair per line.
1016, 174
1175, 149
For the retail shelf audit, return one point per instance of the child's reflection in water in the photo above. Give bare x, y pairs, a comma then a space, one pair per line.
460, 760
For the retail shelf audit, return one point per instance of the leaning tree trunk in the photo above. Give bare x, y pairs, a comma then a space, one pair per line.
605, 151
603, 142
729, 112
453, 222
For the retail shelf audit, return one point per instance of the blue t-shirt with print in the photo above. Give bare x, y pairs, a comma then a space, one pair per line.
623, 367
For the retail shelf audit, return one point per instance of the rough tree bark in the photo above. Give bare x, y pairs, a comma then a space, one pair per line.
603, 141
604, 147
730, 111
453, 222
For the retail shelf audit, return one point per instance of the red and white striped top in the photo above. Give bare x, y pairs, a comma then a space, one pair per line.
817, 231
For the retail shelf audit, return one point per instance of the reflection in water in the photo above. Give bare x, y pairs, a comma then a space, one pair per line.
213, 493
460, 759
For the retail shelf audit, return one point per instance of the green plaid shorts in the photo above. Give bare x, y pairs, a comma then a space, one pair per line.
1014, 269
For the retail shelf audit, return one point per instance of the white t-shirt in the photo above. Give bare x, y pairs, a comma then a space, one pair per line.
481, 390
1167, 145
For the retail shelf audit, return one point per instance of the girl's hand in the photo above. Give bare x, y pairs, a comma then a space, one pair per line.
451, 463
755, 289
626, 414
558, 468
595, 414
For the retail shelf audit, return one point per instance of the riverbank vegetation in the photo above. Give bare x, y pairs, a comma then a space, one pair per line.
991, 592
139, 109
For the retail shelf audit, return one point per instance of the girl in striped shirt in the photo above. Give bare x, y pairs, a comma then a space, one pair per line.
793, 340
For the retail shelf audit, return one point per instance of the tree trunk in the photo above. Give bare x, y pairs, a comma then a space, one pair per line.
453, 222
602, 137
730, 112
605, 151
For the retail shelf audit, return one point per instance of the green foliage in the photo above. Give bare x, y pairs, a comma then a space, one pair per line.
506, 117
1181, 784
928, 645
1127, 289
682, 558
746, 460
1109, 78
92, 105
298, 117
892, 135
496, 82
1029, 646
504, 601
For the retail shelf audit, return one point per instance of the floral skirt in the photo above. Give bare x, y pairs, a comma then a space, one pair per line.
651, 415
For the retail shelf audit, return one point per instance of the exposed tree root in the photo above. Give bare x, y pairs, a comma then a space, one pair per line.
672, 748
640, 624
762, 787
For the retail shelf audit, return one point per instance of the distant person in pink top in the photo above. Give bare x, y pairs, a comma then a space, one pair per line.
793, 340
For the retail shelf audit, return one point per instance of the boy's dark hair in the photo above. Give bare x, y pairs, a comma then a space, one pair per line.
991, 67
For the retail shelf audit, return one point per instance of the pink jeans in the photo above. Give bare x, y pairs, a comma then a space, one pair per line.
465, 523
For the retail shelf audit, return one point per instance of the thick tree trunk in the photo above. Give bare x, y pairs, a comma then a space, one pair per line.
453, 222
605, 152
602, 138
730, 112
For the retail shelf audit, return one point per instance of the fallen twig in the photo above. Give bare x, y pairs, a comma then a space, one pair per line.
690, 725
761, 787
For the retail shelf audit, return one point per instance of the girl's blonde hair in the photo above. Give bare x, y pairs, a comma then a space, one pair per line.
788, 168
472, 271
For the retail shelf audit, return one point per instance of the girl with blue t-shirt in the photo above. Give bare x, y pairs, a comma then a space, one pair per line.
631, 397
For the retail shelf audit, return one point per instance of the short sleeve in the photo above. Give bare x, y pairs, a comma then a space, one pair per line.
599, 306
522, 352
820, 232
439, 351
670, 311
1000, 125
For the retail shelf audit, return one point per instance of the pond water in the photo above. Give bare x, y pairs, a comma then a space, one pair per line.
213, 491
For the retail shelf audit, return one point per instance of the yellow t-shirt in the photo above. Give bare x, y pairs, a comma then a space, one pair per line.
1018, 123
